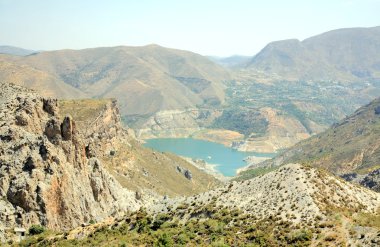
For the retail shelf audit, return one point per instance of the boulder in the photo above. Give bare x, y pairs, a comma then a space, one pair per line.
67, 128
52, 129
50, 106
185, 172
188, 174
22, 118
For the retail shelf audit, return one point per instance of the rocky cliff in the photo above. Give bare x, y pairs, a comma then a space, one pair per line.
46, 175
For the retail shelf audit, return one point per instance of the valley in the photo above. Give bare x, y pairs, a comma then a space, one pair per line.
286, 93
153, 146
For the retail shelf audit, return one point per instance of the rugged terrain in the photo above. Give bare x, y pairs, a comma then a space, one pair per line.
66, 163
294, 205
46, 175
350, 148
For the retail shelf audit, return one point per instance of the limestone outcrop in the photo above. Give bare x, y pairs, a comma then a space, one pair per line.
49, 172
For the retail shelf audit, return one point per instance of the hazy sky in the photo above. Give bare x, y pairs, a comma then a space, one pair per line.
208, 27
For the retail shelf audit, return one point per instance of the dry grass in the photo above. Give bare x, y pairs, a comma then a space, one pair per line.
84, 109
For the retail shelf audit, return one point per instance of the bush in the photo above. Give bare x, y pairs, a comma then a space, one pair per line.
164, 240
36, 229
302, 236
219, 243
183, 239
160, 220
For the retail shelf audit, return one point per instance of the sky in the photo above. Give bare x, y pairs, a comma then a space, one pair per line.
207, 27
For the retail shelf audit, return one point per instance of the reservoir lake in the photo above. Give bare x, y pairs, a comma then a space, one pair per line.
226, 159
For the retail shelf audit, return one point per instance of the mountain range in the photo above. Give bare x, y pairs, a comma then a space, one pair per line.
166, 92
350, 54
144, 79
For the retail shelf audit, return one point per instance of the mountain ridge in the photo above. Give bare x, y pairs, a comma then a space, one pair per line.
347, 54
138, 72
17, 51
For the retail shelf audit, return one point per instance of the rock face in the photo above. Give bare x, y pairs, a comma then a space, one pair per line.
45, 176
176, 123
67, 128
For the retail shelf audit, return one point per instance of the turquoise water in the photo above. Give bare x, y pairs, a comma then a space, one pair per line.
227, 159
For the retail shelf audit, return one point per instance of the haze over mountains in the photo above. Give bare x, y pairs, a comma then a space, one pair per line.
166, 92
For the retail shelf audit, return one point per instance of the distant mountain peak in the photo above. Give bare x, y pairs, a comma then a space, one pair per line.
12, 50
348, 54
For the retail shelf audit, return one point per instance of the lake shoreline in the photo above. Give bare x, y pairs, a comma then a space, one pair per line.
219, 158
207, 168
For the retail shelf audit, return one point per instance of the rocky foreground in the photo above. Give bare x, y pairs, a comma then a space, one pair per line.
294, 205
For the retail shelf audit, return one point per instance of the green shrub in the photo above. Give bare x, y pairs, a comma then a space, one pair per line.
160, 220
182, 206
183, 239
164, 240
36, 229
301, 236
